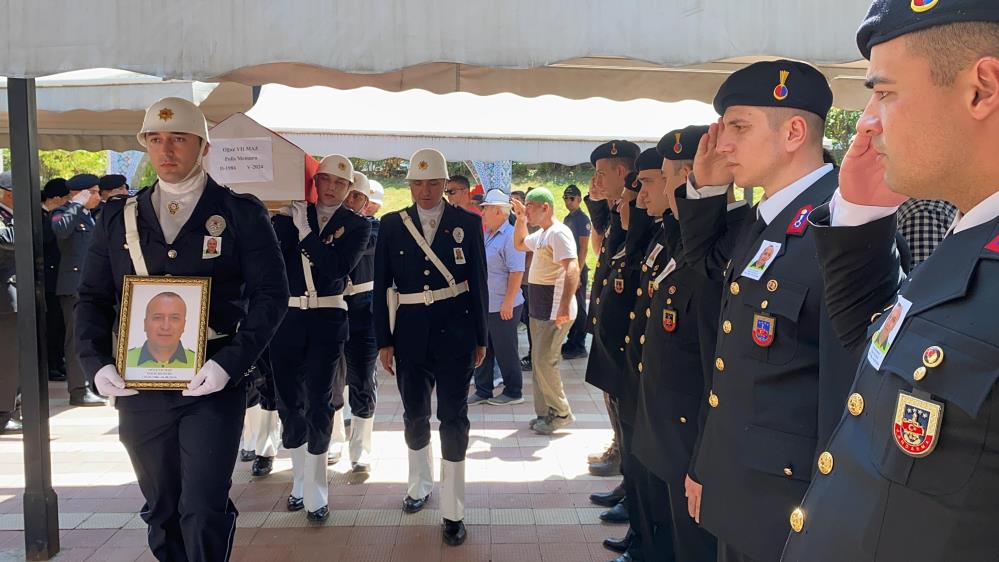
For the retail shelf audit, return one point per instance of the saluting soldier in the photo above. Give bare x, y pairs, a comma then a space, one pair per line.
430, 309
183, 444
321, 243
911, 470
773, 402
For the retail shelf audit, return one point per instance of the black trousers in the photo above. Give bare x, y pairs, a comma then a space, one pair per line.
304, 355
632, 473
416, 381
576, 339
651, 506
357, 367
9, 374
55, 333
75, 377
183, 457
728, 554
501, 348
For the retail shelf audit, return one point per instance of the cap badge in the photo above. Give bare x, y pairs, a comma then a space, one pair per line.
215, 225
678, 147
424, 165
165, 114
341, 166
613, 150
780, 90
920, 6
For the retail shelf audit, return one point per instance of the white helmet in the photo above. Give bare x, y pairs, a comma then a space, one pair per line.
173, 115
337, 165
361, 184
427, 164
377, 192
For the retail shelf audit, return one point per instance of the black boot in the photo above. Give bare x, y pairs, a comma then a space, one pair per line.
84, 397
616, 514
410, 505
319, 515
608, 499
262, 466
454, 532
619, 545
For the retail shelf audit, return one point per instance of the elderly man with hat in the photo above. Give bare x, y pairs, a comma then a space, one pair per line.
910, 472
321, 244
183, 444
430, 308
8, 310
73, 225
54, 194
779, 373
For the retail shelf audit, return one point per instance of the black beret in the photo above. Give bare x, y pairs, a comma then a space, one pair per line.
55, 187
888, 19
82, 181
112, 181
615, 149
631, 182
681, 144
572, 191
780, 83
649, 160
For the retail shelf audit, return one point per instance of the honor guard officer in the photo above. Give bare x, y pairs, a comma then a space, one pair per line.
773, 403
8, 309
183, 445
321, 244
910, 472
430, 308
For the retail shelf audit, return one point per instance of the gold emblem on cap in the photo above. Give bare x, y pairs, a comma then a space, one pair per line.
797, 520
165, 114
920, 6
613, 150
341, 166
423, 165
855, 404
825, 462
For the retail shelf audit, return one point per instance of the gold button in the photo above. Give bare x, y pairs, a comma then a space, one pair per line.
713, 400
124, 246
594, 321
172, 254
648, 313
639, 291
727, 327
683, 419
605, 282
645, 268
734, 288
641, 340
631, 315
669, 301
855, 404
720, 364
764, 304
772, 285
598, 300
627, 339
919, 374
672, 289
788, 472
933, 356
640, 367
426, 272
797, 520
825, 462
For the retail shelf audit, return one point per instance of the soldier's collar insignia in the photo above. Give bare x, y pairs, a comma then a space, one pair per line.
678, 147
165, 114
917, 424
800, 221
780, 90
920, 6
993, 245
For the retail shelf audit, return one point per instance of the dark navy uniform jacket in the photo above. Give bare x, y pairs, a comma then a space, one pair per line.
50, 250
8, 280
773, 404
73, 226
448, 328
939, 499
359, 306
607, 222
249, 290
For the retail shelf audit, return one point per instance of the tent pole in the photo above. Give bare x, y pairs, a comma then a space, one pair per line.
41, 509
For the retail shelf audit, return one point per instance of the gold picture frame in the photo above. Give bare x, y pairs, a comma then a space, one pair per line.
162, 353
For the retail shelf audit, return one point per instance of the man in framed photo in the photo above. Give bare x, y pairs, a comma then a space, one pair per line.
164, 322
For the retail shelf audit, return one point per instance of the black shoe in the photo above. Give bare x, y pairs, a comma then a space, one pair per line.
626, 557
616, 514
409, 505
319, 515
619, 545
608, 499
526, 365
577, 353
360, 468
12, 426
247, 456
454, 532
262, 466
56, 376
84, 397
296, 504
610, 466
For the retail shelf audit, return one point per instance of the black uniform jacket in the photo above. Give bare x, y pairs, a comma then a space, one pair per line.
448, 328
933, 394
779, 378
50, 250
607, 222
73, 226
8, 277
249, 290
359, 305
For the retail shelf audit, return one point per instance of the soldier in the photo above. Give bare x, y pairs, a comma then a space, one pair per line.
54, 194
112, 185
8, 310
430, 317
73, 226
321, 244
910, 471
773, 402
375, 199
183, 444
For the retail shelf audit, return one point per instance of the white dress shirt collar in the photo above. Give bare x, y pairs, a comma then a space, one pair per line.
770, 207
430, 219
980, 214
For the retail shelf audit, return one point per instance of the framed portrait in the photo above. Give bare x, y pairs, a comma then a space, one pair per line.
162, 331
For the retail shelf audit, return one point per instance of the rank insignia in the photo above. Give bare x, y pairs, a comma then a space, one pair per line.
780, 90
459, 234
800, 222
678, 147
618, 285
917, 424
764, 329
669, 320
993, 245
165, 114
338, 233
920, 6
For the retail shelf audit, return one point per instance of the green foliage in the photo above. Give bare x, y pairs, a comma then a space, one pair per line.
841, 125
63, 164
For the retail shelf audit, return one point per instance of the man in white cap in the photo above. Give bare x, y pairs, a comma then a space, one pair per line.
321, 243
183, 444
375, 199
430, 317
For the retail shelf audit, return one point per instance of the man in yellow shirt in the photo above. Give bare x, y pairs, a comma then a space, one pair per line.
166, 316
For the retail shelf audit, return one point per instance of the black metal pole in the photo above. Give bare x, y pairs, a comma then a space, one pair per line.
41, 509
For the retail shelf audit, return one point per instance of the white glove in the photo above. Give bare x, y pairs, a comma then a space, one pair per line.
109, 383
299, 215
210, 378
82, 197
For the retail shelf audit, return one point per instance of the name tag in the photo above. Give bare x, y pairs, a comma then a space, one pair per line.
885, 336
762, 260
211, 247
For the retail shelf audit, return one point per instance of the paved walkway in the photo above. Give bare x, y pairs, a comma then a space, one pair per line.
526, 494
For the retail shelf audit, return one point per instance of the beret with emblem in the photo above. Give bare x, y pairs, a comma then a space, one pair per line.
82, 181
112, 181
780, 83
615, 149
631, 182
649, 159
888, 19
681, 144
55, 187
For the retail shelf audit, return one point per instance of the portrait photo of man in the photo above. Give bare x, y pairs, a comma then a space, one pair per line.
164, 323
765, 256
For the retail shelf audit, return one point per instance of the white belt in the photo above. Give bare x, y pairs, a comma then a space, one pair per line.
429, 297
306, 302
359, 288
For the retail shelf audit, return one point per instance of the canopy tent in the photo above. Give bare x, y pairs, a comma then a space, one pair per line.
373, 124
596, 48
101, 108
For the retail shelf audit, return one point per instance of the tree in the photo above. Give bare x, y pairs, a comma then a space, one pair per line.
841, 125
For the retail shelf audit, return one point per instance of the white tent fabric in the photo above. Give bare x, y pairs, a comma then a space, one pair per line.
373, 124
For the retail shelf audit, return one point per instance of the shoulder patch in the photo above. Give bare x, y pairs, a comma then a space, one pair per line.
800, 221
993, 245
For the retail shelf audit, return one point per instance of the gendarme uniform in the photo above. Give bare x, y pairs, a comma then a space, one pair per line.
780, 373
430, 305
318, 254
912, 470
8, 308
183, 448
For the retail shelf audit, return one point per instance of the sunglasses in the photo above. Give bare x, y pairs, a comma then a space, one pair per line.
455, 190
569, 197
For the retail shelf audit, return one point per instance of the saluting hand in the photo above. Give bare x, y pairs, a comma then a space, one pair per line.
519, 210
385, 355
710, 165
596, 192
862, 176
